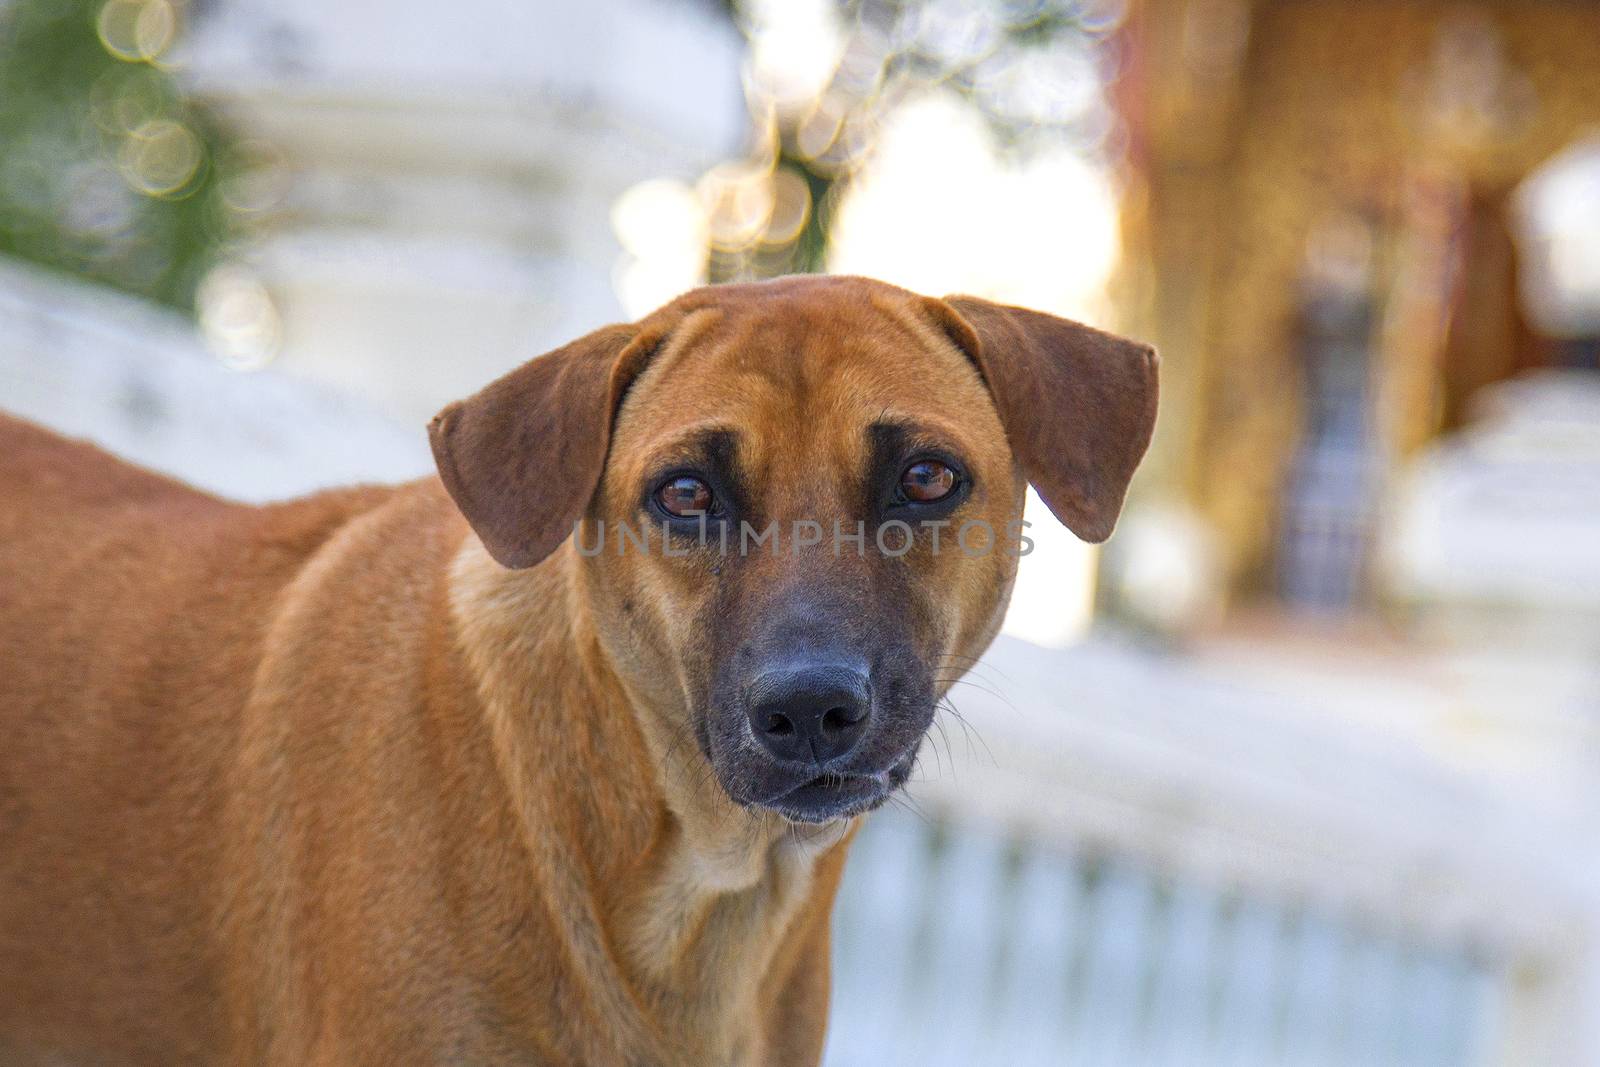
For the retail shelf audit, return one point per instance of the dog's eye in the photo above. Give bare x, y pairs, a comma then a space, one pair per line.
684, 496
926, 481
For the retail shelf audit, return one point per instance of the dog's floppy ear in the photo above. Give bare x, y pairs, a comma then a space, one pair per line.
1078, 404
522, 457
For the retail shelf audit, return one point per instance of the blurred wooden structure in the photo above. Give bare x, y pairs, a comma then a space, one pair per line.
1275, 139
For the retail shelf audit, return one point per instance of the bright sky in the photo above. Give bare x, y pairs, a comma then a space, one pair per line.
939, 212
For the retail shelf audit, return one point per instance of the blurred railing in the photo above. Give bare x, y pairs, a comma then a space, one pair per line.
962, 946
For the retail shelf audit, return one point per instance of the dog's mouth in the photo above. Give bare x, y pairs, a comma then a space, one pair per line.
828, 797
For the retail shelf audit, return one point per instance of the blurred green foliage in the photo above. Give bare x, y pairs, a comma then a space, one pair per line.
107, 170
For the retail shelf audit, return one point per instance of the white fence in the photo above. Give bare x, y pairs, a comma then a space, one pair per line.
967, 948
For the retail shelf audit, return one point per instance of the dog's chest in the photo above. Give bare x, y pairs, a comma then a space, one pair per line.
704, 936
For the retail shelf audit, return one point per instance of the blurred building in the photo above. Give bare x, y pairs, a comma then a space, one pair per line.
1349, 220
438, 180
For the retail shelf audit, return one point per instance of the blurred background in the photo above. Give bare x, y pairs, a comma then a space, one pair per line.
1301, 768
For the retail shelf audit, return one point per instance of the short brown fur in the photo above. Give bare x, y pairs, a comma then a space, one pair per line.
325, 783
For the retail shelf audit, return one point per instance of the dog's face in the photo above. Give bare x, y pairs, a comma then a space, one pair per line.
800, 508
806, 664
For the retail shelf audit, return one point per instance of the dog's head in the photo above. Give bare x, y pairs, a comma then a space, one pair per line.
799, 506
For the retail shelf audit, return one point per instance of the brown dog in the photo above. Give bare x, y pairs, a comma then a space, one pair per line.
328, 783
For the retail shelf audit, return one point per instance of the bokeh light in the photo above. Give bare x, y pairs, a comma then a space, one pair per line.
795, 47
238, 318
161, 157
661, 226
137, 30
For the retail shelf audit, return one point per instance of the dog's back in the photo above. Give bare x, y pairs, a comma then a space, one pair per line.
132, 610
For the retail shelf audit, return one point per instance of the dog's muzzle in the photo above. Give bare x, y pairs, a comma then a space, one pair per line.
821, 745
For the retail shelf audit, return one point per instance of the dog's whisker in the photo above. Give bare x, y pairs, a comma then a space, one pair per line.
995, 693
976, 664
970, 731
944, 738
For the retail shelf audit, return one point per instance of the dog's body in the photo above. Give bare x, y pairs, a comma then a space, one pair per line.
350, 859
324, 783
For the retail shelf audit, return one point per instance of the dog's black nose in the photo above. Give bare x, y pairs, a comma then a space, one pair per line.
810, 712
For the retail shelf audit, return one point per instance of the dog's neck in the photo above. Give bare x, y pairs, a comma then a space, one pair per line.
676, 900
